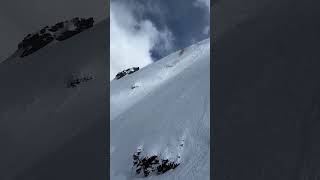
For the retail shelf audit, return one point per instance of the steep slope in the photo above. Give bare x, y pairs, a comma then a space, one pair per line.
168, 106
40, 116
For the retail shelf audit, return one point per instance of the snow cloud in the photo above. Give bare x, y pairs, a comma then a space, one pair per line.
205, 3
132, 39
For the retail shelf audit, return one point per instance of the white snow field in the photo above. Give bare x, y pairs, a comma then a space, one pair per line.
169, 105
37, 110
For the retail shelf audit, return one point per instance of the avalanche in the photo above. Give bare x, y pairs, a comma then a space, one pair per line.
169, 106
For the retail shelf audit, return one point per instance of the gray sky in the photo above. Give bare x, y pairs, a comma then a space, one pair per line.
143, 31
20, 17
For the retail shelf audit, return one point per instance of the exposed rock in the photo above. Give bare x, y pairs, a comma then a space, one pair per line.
126, 72
77, 81
60, 31
147, 165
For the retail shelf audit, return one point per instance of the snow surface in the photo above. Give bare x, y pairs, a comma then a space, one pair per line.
169, 105
38, 112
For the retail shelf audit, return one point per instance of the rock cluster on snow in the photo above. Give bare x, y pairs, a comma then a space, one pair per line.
77, 81
60, 31
154, 163
135, 85
126, 72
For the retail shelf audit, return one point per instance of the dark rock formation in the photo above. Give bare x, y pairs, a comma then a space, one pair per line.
126, 72
60, 31
34, 42
152, 164
79, 26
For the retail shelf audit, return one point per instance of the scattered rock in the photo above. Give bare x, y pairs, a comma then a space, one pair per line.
135, 86
77, 81
151, 164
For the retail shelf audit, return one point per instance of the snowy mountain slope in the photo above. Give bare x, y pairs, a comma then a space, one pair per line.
39, 113
169, 104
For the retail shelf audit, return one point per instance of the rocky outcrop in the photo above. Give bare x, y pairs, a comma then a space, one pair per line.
60, 31
126, 72
150, 164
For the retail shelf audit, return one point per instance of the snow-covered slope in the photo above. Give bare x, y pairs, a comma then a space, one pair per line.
39, 114
169, 104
